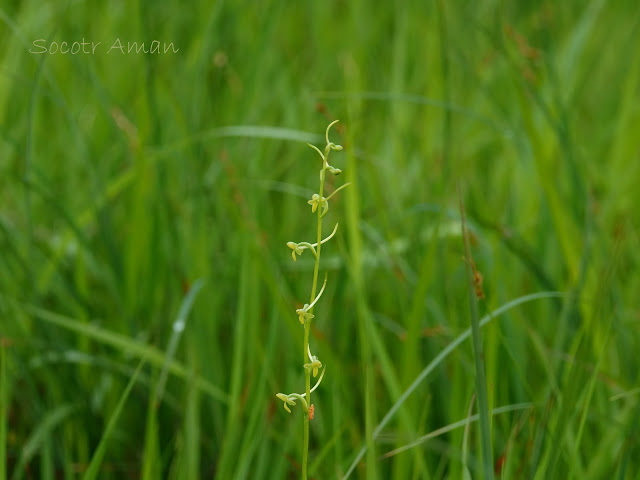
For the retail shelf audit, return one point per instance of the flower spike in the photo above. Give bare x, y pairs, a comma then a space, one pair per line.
313, 366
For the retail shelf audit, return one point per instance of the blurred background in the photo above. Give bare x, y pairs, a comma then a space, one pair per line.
151, 177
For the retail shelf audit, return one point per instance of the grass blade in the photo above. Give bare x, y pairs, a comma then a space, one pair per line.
452, 426
4, 400
177, 330
98, 455
478, 354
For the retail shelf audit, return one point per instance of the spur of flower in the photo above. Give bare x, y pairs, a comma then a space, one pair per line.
298, 248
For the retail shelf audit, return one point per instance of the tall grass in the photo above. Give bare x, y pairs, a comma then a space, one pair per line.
143, 191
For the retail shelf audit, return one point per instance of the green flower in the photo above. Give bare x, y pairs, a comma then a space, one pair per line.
297, 249
303, 313
292, 397
286, 401
333, 170
314, 365
317, 201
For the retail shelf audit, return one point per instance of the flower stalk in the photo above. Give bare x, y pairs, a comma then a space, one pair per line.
311, 364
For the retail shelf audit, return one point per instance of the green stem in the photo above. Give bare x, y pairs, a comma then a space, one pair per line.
307, 381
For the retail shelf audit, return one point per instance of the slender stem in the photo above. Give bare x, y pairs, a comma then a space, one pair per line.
307, 381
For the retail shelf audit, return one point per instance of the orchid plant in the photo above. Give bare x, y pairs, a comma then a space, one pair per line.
319, 206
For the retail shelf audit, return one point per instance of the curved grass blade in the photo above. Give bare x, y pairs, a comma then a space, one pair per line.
178, 327
98, 455
452, 426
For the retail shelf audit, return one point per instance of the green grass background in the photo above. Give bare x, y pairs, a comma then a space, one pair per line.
147, 296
